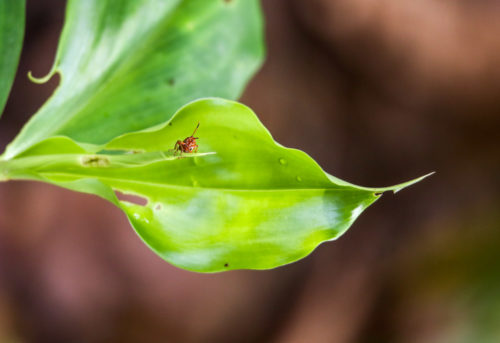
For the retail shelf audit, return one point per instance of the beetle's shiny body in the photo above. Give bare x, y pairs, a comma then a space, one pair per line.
188, 145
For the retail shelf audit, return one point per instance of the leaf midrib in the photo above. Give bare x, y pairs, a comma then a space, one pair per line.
163, 185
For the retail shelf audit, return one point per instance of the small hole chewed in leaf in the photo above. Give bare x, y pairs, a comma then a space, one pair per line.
132, 198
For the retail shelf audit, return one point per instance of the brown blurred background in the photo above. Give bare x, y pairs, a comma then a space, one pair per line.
377, 92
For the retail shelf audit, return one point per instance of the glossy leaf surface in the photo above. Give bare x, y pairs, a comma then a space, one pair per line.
11, 41
126, 65
249, 203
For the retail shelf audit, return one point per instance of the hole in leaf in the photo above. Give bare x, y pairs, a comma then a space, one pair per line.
132, 198
95, 161
226, 264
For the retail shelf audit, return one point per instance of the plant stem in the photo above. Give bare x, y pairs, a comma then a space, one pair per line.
16, 169
3, 170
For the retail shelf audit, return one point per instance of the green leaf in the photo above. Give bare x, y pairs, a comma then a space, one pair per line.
250, 204
126, 65
11, 41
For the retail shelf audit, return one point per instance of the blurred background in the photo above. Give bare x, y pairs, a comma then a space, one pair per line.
378, 92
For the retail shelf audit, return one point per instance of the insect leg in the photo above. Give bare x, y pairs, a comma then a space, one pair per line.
178, 147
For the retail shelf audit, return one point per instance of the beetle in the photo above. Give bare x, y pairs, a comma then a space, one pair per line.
188, 145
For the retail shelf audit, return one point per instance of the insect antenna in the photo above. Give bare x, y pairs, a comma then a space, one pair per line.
197, 126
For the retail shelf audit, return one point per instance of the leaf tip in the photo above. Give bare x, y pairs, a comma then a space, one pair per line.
404, 185
396, 188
